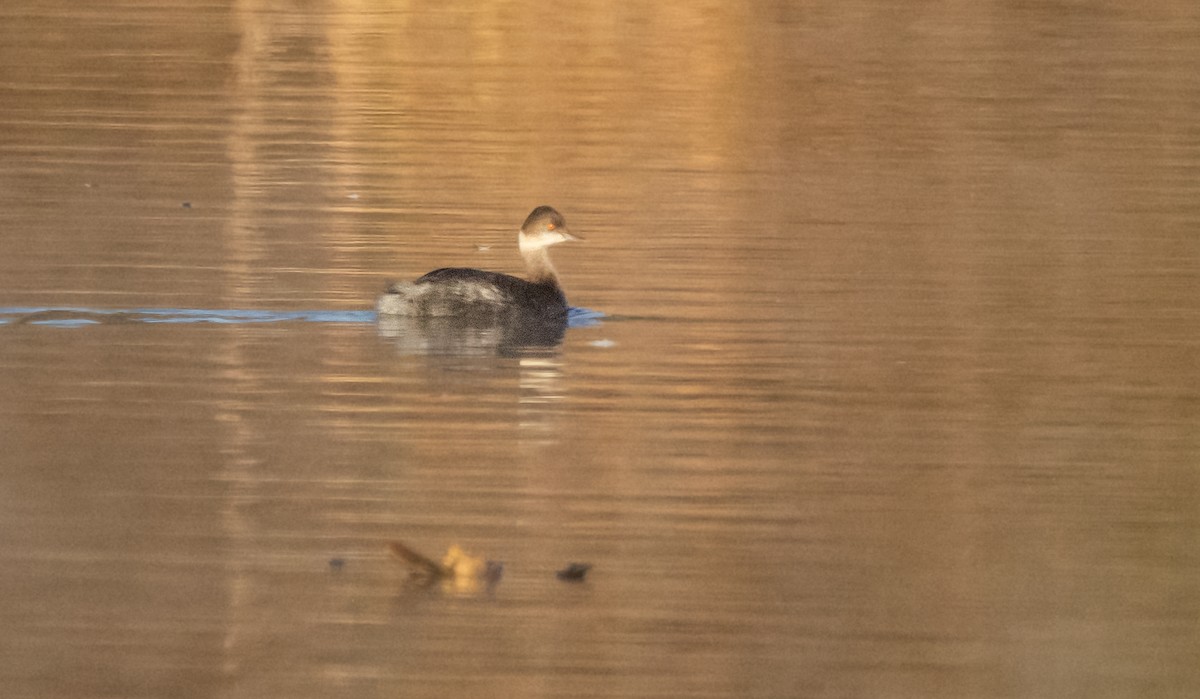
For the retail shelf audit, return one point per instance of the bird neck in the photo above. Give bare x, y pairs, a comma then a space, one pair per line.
537, 264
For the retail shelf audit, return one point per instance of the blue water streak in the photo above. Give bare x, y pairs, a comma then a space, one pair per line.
72, 317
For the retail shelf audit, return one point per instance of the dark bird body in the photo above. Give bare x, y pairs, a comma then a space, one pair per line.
466, 292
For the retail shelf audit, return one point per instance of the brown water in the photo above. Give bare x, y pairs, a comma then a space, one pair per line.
898, 395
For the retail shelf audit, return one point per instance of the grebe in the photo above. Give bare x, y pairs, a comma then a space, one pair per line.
460, 291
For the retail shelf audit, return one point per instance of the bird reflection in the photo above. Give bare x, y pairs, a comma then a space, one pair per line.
504, 335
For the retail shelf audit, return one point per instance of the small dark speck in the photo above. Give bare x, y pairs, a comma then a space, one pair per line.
493, 571
574, 572
187, 204
336, 564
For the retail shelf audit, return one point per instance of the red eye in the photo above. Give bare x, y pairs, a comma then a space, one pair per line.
550, 226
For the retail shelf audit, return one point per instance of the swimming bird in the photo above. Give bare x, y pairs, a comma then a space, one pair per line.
474, 293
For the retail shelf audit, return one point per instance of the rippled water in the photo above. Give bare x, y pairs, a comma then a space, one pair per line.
886, 383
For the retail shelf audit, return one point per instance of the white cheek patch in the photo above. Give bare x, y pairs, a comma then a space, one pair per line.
530, 243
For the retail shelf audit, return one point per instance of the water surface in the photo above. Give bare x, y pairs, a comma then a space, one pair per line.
895, 393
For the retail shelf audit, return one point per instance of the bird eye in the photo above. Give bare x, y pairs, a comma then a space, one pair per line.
550, 226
